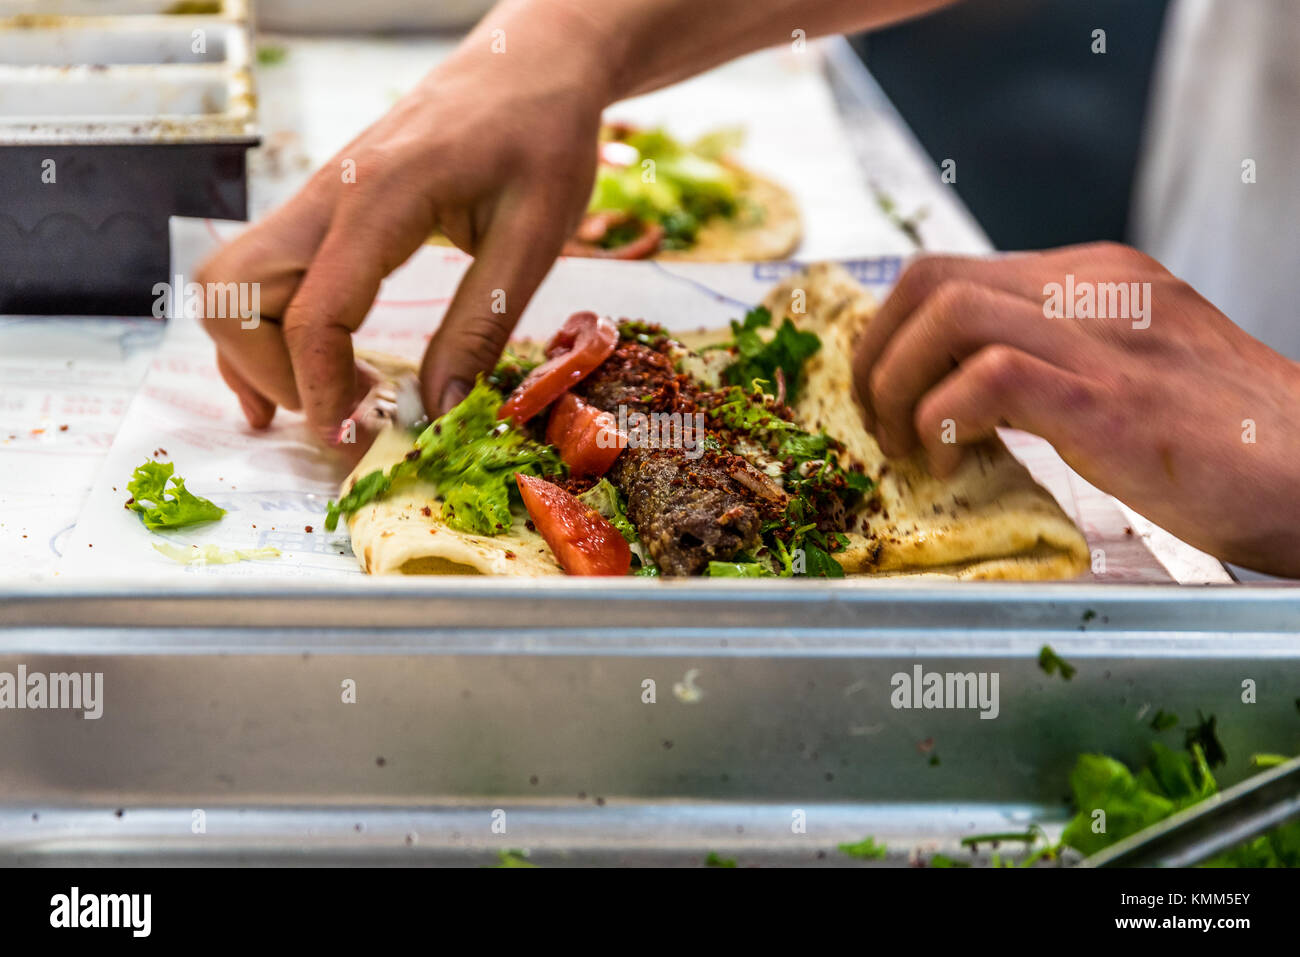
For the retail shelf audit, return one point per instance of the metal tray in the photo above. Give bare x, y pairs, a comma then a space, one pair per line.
109, 124
480, 697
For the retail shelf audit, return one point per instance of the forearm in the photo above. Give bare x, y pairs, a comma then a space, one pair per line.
626, 47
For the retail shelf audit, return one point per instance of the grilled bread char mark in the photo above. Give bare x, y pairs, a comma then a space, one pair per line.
689, 509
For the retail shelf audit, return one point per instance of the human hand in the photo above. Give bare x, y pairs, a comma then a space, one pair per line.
1178, 412
496, 150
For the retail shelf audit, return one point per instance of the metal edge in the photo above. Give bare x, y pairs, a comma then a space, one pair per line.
236, 125
530, 605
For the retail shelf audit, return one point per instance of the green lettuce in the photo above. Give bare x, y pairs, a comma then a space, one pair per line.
163, 507
606, 500
471, 458
1169, 782
688, 186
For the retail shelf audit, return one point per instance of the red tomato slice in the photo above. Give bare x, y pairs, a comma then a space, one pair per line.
583, 342
583, 542
588, 438
642, 247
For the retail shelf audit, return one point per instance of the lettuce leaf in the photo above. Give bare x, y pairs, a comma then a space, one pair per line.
606, 500
471, 458
737, 570
163, 507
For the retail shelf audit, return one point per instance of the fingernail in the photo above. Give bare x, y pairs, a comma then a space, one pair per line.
452, 394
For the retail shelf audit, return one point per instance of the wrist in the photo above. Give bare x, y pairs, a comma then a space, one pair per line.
571, 44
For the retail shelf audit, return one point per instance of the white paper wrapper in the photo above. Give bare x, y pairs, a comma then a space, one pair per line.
65, 385
274, 484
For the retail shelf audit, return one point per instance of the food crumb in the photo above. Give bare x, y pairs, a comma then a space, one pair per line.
307, 529
63, 428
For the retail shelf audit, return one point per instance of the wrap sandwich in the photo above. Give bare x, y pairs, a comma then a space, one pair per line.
623, 450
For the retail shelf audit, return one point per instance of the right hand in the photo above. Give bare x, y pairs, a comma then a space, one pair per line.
496, 150
1183, 416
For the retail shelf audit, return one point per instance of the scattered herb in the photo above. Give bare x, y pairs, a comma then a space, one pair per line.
865, 849
1051, 663
1031, 837
713, 860
1164, 720
1206, 737
271, 54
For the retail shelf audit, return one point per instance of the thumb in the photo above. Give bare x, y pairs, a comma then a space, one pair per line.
514, 257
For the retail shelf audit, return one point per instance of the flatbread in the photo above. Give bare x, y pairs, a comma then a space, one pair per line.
990, 520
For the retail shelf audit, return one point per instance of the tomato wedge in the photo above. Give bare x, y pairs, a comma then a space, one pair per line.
583, 342
587, 438
642, 247
583, 542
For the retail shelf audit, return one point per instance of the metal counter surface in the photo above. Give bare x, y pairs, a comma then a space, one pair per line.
479, 699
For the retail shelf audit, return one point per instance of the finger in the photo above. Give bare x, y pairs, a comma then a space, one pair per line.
1019, 274
520, 245
371, 234
1003, 386
258, 356
258, 409
957, 321
919, 281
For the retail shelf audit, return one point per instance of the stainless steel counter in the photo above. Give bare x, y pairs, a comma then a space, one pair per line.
475, 697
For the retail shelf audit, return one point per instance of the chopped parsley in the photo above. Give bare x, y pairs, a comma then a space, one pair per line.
758, 360
1051, 663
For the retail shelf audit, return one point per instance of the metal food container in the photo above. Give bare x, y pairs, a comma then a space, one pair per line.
493, 714
113, 117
